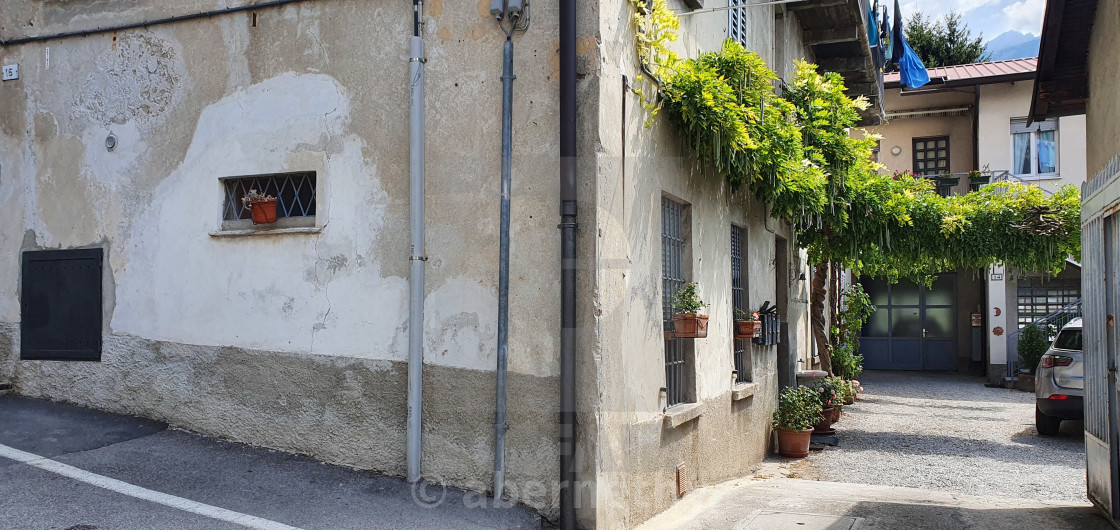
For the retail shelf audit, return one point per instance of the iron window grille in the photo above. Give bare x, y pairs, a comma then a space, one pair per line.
739, 301
672, 280
1037, 298
931, 156
295, 193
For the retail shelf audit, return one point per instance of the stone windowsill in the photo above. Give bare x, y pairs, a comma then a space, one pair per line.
743, 391
289, 225
681, 414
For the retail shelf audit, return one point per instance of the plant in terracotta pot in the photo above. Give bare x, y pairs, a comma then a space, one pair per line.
798, 410
688, 323
828, 393
747, 324
262, 206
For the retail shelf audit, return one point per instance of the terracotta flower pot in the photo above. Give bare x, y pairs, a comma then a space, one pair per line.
690, 326
825, 425
837, 411
747, 329
850, 399
794, 444
264, 212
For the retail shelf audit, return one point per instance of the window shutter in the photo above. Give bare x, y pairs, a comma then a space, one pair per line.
1019, 125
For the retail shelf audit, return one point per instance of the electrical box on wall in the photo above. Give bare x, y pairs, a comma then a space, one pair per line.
11, 71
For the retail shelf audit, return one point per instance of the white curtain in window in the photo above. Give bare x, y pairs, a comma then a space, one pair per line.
1021, 153
1047, 152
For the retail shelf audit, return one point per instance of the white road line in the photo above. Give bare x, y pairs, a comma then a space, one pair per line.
135, 491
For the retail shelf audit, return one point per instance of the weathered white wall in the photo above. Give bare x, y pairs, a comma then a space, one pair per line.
637, 452
258, 337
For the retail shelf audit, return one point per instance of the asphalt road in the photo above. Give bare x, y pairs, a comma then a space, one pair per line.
68, 468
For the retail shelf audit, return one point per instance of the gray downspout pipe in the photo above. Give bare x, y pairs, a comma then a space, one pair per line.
500, 426
417, 255
567, 228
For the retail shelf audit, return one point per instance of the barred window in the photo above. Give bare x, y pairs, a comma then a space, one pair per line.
739, 301
1038, 298
295, 193
678, 352
931, 155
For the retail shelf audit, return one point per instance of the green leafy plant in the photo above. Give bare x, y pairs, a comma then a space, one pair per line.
1032, 346
799, 409
856, 308
829, 390
749, 316
687, 300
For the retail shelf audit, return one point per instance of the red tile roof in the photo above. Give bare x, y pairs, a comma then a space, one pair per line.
974, 72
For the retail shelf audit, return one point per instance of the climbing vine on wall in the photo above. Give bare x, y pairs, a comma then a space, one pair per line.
797, 152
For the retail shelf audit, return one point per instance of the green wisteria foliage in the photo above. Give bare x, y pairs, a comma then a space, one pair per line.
800, 153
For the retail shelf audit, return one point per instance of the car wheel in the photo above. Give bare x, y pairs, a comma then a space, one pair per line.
1046, 425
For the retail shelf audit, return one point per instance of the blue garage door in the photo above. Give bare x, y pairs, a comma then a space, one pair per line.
913, 327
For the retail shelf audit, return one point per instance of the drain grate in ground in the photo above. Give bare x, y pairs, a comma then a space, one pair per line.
771, 520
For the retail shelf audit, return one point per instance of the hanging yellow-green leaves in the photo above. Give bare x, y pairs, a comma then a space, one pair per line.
797, 153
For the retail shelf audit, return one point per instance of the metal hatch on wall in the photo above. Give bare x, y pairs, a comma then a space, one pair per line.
913, 327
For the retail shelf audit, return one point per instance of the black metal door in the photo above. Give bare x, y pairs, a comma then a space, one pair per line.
913, 327
61, 305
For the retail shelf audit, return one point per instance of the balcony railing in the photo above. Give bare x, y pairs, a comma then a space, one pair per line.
950, 183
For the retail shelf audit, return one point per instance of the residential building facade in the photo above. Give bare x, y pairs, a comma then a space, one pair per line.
125, 155
969, 127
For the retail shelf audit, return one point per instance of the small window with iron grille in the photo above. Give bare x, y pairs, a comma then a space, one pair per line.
679, 371
739, 348
295, 194
931, 155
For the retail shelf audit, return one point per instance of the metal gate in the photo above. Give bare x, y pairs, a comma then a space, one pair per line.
913, 327
1100, 277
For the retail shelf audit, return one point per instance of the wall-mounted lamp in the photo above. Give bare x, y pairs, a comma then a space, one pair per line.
110, 142
896, 150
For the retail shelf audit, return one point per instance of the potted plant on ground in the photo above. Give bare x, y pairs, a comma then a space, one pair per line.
687, 322
798, 410
263, 207
828, 393
1032, 346
747, 324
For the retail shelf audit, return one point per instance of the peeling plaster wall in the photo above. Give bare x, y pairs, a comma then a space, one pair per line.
292, 341
637, 452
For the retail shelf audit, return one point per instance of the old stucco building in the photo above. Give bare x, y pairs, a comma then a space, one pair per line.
138, 143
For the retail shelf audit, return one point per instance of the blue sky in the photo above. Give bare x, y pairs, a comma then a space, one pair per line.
990, 17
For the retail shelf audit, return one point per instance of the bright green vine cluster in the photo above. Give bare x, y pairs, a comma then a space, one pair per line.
797, 153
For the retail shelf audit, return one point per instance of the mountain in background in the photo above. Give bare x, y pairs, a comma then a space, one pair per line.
1012, 45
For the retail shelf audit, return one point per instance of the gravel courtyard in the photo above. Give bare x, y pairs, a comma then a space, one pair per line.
949, 432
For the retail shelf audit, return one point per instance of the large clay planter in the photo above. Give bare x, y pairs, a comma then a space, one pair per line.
825, 425
690, 326
837, 412
794, 444
850, 399
747, 329
264, 212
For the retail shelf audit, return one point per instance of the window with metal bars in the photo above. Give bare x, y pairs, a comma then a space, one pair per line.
739, 348
1038, 298
737, 22
295, 193
678, 370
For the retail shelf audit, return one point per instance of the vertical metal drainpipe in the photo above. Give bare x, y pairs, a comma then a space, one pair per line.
417, 255
503, 273
567, 228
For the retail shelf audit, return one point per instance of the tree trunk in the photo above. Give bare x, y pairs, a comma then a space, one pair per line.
818, 302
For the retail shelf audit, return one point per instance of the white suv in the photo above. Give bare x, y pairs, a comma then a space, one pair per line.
1059, 383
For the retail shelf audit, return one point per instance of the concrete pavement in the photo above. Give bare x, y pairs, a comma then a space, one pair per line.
772, 500
107, 471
